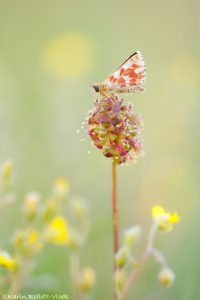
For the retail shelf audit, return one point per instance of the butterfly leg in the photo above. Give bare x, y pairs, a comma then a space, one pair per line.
106, 93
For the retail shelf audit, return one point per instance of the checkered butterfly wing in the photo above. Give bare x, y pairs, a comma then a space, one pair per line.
131, 73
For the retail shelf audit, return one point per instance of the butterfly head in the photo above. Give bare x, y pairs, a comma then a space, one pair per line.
95, 88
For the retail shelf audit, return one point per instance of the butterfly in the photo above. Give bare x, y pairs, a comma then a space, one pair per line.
128, 78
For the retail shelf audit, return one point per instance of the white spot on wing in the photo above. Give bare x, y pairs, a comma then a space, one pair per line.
117, 74
139, 70
127, 64
126, 78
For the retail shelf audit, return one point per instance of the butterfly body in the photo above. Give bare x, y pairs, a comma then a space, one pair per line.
128, 78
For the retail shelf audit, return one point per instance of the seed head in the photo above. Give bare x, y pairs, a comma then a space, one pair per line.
116, 129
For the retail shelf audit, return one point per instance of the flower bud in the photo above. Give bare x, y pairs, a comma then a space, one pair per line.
166, 277
27, 242
78, 208
132, 235
87, 280
18, 240
7, 168
121, 257
61, 188
76, 239
31, 204
120, 279
6, 173
50, 209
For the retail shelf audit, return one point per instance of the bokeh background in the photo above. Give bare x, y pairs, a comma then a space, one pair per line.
50, 51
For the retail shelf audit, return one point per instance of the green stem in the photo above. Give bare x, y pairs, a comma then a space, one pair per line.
75, 271
115, 220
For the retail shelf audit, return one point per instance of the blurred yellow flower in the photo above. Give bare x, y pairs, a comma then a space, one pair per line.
32, 237
33, 242
120, 279
68, 55
122, 257
184, 69
57, 231
6, 261
164, 220
166, 277
61, 187
132, 235
7, 168
79, 208
27, 242
31, 204
88, 278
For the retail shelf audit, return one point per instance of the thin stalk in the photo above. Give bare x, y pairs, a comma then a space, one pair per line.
115, 208
134, 273
115, 220
75, 271
141, 262
18, 278
16, 285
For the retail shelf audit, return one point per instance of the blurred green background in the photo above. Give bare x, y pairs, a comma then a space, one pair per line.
50, 51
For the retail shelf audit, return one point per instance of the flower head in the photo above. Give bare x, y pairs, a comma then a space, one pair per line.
7, 261
32, 200
79, 209
61, 187
57, 231
122, 257
27, 242
120, 279
7, 168
164, 220
116, 129
132, 235
87, 280
166, 277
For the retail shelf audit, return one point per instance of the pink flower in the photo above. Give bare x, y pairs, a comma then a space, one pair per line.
116, 129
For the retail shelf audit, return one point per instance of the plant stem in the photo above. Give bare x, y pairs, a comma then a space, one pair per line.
142, 260
18, 278
134, 273
115, 208
115, 219
75, 271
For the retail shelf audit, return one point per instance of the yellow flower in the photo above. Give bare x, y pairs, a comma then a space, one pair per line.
32, 237
57, 231
61, 187
7, 168
164, 220
6, 261
166, 277
28, 242
88, 278
68, 55
78, 208
121, 257
33, 242
132, 235
31, 204
120, 279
